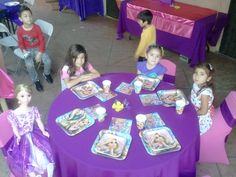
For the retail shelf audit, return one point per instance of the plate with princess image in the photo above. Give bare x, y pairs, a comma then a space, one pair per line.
74, 121
159, 140
169, 97
86, 90
148, 82
112, 144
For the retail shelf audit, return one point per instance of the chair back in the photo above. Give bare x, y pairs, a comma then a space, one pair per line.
228, 110
4, 29
6, 86
46, 27
6, 131
169, 76
29, 2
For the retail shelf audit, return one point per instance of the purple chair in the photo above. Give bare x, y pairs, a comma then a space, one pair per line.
169, 76
212, 143
6, 132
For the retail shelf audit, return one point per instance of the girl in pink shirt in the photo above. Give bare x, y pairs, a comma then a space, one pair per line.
76, 68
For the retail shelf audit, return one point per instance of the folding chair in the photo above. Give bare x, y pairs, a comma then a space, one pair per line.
212, 143
29, 2
10, 40
47, 29
169, 76
6, 132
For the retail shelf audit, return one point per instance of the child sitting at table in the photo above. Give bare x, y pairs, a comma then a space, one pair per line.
202, 95
148, 35
29, 153
32, 43
152, 68
77, 68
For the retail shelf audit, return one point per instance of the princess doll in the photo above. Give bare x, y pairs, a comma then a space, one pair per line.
29, 154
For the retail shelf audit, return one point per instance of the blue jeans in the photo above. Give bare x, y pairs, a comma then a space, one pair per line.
29, 63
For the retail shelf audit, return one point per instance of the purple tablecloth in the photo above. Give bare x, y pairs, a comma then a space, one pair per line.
194, 48
83, 8
73, 155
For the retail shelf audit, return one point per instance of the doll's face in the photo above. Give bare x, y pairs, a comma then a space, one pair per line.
23, 98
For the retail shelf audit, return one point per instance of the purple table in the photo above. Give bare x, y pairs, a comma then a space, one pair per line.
83, 8
73, 155
194, 48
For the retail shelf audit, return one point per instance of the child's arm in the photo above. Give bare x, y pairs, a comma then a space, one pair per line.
72, 81
41, 127
204, 105
141, 47
41, 47
16, 133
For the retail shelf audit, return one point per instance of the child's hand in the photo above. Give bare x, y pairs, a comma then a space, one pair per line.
38, 57
45, 133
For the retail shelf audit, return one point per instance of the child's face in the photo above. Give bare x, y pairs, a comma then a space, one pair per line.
141, 23
200, 77
153, 56
23, 97
79, 61
26, 17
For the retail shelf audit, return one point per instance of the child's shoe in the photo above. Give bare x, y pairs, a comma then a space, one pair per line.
38, 86
48, 78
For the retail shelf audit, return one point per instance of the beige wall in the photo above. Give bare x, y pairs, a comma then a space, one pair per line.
219, 5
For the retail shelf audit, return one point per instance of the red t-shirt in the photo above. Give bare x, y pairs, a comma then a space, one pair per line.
31, 39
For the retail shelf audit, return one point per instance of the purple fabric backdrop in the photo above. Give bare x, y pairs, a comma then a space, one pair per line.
73, 155
193, 48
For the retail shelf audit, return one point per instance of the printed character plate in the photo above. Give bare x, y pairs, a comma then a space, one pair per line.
159, 140
169, 97
125, 88
112, 144
86, 90
105, 96
148, 82
153, 121
150, 99
120, 125
91, 111
74, 122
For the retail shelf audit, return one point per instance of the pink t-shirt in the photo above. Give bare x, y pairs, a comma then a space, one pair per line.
65, 74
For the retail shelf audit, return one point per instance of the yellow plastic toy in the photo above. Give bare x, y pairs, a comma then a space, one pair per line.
117, 106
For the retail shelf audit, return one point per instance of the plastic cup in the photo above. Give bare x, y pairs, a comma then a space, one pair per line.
180, 104
106, 86
138, 86
101, 113
140, 120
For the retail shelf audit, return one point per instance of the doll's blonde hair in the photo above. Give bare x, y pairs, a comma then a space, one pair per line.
22, 87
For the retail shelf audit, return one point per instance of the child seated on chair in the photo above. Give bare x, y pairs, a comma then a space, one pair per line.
32, 43
202, 96
152, 68
29, 153
77, 68
148, 35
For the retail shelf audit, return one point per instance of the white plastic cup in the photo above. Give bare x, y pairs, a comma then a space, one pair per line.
180, 104
138, 86
101, 113
106, 86
140, 120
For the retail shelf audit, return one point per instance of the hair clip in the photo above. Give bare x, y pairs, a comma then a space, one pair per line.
210, 67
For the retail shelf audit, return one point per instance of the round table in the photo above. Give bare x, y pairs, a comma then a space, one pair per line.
73, 154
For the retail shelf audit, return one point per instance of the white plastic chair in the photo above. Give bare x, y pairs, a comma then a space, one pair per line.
29, 2
6, 132
169, 76
212, 143
7, 41
47, 29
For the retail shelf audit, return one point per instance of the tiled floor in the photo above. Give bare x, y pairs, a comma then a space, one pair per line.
107, 54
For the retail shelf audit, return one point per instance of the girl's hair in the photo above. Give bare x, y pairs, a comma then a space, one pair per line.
154, 46
22, 87
72, 53
208, 68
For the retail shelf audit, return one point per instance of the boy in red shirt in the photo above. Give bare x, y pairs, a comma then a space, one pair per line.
31, 42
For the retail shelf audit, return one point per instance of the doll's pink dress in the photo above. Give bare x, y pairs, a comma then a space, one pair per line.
33, 153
